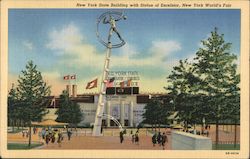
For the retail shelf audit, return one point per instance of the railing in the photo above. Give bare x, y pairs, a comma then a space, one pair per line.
226, 142
109, 132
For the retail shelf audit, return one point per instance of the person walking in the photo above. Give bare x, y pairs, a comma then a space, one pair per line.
69, 133
27, 133
47, 137
23, 132
164, 140
60, 138
43, 133
53, 139
131, 132
34, 130
121, 137
56, 135
159, 137
133, 138
137, 138
154, 138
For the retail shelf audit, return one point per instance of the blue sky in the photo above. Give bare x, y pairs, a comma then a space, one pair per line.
63, 41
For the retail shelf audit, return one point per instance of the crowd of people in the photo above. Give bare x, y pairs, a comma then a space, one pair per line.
160, 139
49, 135
56, 136
135, 137
157, 138
204, 131
25, 133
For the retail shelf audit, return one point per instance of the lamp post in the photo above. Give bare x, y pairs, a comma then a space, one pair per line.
203, 126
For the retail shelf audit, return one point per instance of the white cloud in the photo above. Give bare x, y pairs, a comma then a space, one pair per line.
69, 40
163, 48
65, 39
128, 50
80, 54
28, 45
157, 55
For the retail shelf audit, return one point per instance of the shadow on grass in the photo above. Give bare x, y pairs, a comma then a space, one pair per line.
226, 147
22, 146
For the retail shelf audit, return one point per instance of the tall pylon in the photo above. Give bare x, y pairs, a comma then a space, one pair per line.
102, 95
110, 18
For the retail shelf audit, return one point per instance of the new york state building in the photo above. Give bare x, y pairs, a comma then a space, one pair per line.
125, 104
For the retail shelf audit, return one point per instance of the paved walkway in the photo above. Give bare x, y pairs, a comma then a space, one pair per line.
226, 133
18, 137
106, 142
86, 141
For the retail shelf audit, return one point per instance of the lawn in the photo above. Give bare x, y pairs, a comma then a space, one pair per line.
227, 147
22, 146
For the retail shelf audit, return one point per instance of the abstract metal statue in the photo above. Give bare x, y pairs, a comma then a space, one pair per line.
112, 29
110, 18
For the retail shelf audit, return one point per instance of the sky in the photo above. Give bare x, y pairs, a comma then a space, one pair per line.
63, 42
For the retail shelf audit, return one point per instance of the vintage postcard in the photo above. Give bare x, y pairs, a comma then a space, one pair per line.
124, 79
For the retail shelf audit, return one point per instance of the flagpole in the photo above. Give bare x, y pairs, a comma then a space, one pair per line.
69, 80
75, 79
115, 87
132, 88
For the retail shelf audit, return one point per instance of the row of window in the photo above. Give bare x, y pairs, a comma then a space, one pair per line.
140, 99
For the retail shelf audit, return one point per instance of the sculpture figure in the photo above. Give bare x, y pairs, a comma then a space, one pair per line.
112, 21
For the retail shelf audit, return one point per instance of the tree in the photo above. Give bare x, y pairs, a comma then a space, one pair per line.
208, 87
69, 111
157, 112
233, 98
13, 113
184, 88
150, 115
32, 92
216, 68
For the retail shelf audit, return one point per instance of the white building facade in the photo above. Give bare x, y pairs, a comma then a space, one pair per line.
124, 108
124, 104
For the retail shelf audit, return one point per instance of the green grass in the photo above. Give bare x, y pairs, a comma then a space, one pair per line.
226, 147
22, 146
